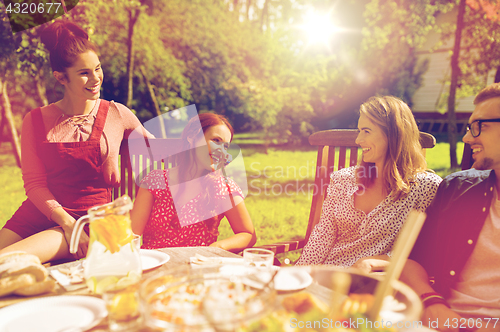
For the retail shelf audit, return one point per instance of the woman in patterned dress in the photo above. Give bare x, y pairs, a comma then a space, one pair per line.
183, 206
366, 205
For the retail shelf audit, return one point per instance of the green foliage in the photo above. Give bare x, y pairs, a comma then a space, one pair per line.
480, 46
394, 31
251, 61
8, 42
407, 81
200, 52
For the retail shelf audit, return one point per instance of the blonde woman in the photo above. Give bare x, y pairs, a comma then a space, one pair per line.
367, 204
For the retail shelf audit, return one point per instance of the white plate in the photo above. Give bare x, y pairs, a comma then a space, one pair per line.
53, 314
152, 258
290, 279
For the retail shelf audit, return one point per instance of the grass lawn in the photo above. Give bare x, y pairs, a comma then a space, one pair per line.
10, 180
279, 183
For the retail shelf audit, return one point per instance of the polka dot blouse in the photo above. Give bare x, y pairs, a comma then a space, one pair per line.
163, 228
345, 234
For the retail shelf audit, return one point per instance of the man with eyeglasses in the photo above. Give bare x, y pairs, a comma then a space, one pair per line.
459, 245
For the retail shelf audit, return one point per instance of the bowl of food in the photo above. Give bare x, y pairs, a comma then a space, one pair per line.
340, 299
402, 304
205, 299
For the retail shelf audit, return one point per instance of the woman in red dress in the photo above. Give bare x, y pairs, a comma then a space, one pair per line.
183, 206
69, 150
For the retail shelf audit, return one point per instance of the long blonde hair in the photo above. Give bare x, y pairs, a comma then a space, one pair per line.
405, 157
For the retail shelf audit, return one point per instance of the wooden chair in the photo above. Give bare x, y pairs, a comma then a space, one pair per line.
336, 150
467, 160
138, 157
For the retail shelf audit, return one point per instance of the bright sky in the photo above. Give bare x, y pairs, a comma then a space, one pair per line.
318, 27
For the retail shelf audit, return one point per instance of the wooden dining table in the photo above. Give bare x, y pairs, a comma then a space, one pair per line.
178, 257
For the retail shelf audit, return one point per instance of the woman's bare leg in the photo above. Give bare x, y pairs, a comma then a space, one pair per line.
48, 245
8, 237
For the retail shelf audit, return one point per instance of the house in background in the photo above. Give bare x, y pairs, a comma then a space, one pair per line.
430, 100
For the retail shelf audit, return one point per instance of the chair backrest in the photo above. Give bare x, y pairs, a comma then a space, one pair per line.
467, 160
138, 157
328, 160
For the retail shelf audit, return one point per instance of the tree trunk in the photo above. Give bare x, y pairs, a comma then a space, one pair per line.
455, 72
497, 75
155, 102
64, 7
249, 4
133, 15
2, 125
264, 15
7, 114
40, 89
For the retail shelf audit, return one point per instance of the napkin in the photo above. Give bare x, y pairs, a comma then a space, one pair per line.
200, 260
69, 278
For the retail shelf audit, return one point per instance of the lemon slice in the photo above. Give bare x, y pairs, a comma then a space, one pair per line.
105, 283
124, 305
127, 281
91, 283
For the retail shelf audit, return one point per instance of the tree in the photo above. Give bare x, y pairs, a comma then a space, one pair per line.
245, 60
476, 52
7, 65
481, 42
395, 30
452, 120
382, 59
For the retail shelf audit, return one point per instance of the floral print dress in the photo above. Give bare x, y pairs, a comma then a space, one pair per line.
164, 229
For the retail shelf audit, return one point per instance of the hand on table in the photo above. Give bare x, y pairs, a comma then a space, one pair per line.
216, 245
372, 263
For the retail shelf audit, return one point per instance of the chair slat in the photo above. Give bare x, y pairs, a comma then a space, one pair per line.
135, 161
123, 176
342, 153
467, 160
427, 140
353, 157
321, 175
330, 161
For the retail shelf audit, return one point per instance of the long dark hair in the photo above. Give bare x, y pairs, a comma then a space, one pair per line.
186, 161
64, 41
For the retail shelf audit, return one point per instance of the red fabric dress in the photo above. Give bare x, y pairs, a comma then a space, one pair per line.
163, 228
74, 176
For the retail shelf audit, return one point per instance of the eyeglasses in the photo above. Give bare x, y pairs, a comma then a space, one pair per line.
475, 126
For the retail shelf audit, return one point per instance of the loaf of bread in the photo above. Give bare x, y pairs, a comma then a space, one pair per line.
23, 274
9, 285
18, 256
37, 288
